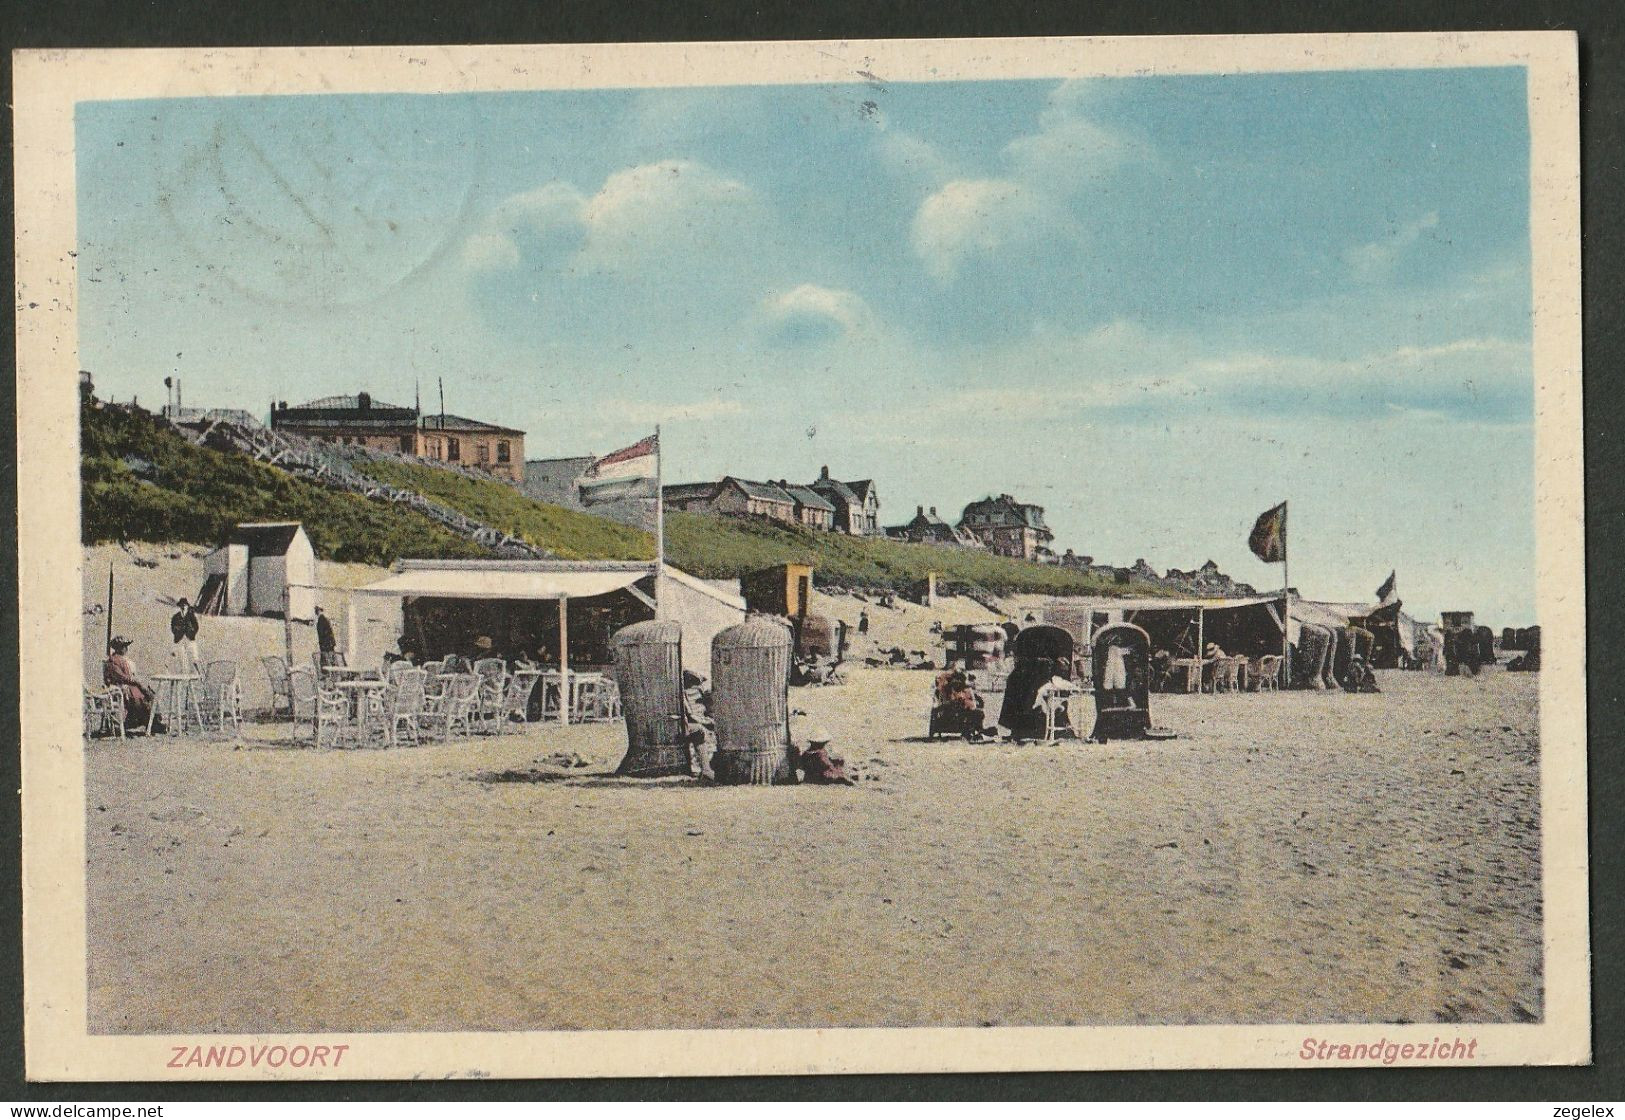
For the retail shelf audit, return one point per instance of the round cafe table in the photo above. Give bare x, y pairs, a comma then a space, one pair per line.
173, 692
357, 690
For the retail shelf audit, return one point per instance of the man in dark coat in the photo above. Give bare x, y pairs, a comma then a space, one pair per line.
183, 628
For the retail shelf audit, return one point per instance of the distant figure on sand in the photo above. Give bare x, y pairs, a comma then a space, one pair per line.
119, 671
326, 643
183, 627
863, 622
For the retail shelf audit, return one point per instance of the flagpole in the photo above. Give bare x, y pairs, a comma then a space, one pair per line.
1286, 603
660, 517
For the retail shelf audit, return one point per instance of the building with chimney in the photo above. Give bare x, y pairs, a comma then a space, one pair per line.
364, 421
735, 497
928, 528
1008, 527
856, 504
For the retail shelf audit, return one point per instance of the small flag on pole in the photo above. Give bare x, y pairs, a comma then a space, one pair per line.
631, 472
1268, 538
1386, 591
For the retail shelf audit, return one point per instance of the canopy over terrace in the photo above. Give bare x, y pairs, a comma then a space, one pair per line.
559, 612
1182, 626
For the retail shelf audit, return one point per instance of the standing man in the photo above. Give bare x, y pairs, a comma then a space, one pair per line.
326, 642
863, 621
183, 627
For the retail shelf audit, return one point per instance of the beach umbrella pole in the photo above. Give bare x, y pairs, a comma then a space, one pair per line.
564, 659
1286, 607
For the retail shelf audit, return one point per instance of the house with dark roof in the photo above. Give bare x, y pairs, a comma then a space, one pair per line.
357, 420
928, 528
857, 504
813, 510
473, 443
736, 497
1008, 527
363, 421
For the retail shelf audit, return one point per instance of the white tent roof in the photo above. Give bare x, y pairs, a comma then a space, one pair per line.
694, 583
1158, 604
502, 582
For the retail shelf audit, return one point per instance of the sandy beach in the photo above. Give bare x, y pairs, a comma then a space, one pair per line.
1296, 857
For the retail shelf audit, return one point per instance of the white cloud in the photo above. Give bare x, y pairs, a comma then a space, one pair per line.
972, 216
812, 304
489, 252
1375, 260
1122, 367
649, 210
673, 199
1065, 154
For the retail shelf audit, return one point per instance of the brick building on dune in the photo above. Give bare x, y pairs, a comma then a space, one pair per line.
363, 421
1008, 527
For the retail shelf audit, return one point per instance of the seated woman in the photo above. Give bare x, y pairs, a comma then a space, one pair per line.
958, 708
1360, 677
119, 671
1162, 671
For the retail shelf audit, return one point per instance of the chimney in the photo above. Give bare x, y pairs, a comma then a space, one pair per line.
823, 474
363, 401
933, 511
919, 511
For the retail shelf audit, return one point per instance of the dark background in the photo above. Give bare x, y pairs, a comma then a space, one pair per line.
199, 23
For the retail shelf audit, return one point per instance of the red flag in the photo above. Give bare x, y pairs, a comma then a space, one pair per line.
1268, 538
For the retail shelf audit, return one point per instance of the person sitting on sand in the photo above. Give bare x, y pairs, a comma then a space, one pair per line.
959, 708
120, 672
701, 729
818, 767
1360, 678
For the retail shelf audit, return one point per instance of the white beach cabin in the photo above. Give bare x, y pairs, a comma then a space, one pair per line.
260, 563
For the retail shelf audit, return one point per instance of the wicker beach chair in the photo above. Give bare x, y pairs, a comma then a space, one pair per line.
596, 700
104, 712
453, 709
405, 705
330, 723
220, 698
1268, 674
302, 692
276, 672
514, 704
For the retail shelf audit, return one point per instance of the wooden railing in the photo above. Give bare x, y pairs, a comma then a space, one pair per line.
330, 465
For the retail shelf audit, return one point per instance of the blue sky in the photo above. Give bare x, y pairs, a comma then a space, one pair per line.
1154, 305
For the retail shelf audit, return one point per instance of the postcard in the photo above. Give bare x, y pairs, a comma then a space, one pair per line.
802, 557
